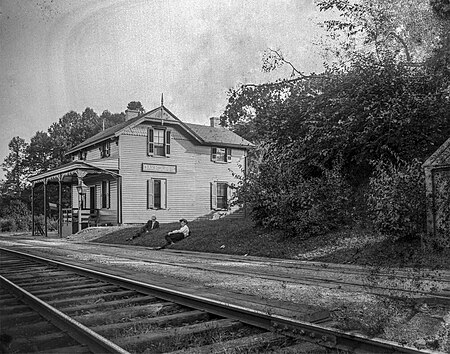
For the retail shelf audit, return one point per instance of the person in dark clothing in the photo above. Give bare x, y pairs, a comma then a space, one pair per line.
150, 225
177, 235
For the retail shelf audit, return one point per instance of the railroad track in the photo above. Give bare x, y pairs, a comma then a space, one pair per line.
104, 313
420, 285
377, 282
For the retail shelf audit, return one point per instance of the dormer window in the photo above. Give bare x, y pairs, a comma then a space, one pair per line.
82, 155
105, 149
219, 154
158, 142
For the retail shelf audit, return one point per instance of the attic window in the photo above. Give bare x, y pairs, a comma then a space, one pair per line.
105, 149
219, 154
82, 155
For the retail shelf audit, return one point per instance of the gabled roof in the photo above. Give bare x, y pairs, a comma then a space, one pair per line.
218, 135
103, 135
202, 133
441, 156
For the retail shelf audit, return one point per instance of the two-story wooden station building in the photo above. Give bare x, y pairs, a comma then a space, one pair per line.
151, 164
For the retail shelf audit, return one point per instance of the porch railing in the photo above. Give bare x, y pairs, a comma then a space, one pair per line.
90, 217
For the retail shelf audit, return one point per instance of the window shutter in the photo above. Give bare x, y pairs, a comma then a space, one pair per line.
150, 141
150, 194
168, 143
213, 154
229, 195
108, 186
228, 152
107, 149
163, 194
213, 195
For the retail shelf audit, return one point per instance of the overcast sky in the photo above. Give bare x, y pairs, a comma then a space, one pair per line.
63, 55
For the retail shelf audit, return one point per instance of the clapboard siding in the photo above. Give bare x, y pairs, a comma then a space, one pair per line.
188, 190
93, 153
110, 163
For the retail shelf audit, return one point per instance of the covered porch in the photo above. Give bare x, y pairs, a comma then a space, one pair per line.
85, 195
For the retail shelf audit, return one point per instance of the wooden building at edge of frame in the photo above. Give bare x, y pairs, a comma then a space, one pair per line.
437, 179
151, 164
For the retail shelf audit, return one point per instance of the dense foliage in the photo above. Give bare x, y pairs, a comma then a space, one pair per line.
366, 112
396, 199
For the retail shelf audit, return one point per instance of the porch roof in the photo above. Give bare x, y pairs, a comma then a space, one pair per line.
68, 171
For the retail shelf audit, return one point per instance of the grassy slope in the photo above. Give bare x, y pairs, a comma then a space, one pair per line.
242, 237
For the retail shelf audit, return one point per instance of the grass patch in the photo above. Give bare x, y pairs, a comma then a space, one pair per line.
242, 237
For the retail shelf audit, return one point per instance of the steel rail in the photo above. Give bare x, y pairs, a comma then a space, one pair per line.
310, 265
326, 337
421, 295
82, 334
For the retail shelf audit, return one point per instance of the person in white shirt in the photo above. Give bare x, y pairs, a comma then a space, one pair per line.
177, 235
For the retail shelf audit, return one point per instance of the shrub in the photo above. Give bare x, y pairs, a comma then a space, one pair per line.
7, 225
397, 199
20, 215
279, 196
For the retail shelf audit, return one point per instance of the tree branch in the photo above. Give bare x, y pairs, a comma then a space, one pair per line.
403, 43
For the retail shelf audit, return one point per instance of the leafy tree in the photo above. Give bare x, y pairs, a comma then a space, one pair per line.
62, 136
385, 104
402, 29
39, 153
111, 119
71, 130
15, 167
441, 59
136, 106
368, 112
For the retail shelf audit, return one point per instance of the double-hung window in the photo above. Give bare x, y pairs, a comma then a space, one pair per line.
157, 193
220, 154
158, 142
106, 194
219, 195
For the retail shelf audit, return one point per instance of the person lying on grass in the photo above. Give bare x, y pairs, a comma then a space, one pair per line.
150, 225
177, 235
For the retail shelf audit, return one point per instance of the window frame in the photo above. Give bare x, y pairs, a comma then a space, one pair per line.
82, 155
165, 147
105, 149
151, 193
215, 195
223, 157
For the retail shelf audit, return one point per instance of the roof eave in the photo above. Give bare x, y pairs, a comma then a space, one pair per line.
95, 142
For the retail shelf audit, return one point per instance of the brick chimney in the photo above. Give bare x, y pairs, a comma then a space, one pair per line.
131, 113
214, 121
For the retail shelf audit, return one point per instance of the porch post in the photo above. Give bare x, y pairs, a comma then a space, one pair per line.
45, 207
60, 206
79, 206
32, 209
